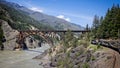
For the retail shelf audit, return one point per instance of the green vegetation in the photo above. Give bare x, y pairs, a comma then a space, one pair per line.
21, 20
69, 39
72, 49
94, 47
86, 65
108, 26
83, 42
92, 58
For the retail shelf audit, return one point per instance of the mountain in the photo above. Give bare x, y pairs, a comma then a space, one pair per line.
12, 20
54, 21
18, 19
45, 19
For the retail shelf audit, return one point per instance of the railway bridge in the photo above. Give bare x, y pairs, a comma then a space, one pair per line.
45, 34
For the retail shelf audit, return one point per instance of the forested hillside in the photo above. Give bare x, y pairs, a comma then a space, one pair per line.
22, 12
108, 26
18, 19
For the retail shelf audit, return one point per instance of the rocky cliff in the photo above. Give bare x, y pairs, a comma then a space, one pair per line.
8, 24
32, 42
10, 35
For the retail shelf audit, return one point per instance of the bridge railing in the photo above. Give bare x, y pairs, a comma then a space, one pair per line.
53, 30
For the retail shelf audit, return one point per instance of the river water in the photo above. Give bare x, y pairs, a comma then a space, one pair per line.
21, 59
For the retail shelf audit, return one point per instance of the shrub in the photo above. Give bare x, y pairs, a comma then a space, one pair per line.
92, 58
86, 65
84, 43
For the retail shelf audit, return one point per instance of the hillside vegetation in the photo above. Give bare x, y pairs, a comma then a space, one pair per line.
108, 26
18, 19
24, 16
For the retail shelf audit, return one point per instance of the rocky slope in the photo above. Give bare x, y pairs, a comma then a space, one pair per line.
13, 20
80, 57
10, 35
106, 59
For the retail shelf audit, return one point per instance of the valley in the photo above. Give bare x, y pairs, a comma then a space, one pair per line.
30, 38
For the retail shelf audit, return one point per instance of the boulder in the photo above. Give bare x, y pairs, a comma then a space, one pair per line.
53, 64
75, 66
72, 55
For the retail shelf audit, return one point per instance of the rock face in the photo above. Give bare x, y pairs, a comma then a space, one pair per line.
10, 36
108, 59
31, 42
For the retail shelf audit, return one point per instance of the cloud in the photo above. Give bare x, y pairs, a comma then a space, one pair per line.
63, 17
78, 17
36, 9
68, 19
81, 16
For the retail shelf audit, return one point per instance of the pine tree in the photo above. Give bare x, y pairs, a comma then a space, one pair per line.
110, 25
95, 25
87, 27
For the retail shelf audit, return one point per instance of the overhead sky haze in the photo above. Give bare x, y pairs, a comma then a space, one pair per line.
75, 11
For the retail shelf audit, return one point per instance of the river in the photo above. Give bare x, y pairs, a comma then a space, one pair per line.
21, 59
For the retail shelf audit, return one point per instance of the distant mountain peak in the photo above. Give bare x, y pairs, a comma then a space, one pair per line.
55, 22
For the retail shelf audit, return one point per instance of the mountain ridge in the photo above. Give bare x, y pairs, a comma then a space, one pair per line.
49, 19
18, 19
57, 23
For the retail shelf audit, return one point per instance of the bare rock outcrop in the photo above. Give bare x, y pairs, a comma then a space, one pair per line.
31, 42
106, 59
10, 36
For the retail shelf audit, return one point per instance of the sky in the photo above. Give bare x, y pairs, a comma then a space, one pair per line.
80, 12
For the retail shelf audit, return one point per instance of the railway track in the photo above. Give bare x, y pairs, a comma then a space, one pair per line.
114, 45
